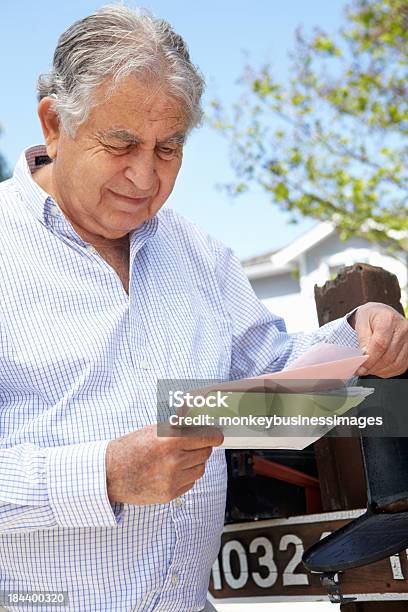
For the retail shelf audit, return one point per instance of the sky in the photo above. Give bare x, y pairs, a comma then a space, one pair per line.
222, 37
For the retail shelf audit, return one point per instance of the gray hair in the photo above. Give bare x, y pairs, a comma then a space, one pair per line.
117, 41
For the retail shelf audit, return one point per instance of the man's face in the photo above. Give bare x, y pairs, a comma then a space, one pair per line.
121, 165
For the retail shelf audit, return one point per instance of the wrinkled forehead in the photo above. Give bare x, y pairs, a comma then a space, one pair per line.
138, 103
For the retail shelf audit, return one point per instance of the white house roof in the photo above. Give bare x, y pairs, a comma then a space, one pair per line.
283, 260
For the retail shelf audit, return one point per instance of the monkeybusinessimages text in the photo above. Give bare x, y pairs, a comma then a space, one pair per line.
218, 401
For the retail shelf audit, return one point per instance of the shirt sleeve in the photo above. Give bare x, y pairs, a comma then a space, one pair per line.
260, 342
43, 488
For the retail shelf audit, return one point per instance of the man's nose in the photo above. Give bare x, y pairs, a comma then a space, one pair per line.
141, 170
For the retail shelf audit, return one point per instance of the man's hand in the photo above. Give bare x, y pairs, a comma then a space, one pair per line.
143, 468
383, 334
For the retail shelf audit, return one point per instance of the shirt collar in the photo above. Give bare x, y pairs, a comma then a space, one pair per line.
47, 211
33, 196
141, 234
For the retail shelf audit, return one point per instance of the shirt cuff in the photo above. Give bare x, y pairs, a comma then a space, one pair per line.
77, 488
343, 333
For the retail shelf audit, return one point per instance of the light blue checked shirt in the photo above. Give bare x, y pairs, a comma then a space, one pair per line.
79, 363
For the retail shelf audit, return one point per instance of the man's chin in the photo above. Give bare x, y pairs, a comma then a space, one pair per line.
127, 225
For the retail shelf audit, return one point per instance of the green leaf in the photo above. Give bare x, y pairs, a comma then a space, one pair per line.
331, 140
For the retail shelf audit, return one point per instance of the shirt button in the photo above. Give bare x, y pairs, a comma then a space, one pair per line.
144, 364
175, 580
179, 502
92, 249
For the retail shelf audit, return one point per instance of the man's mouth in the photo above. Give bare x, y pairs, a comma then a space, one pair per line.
135, 201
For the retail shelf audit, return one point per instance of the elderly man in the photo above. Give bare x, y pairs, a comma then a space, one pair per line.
104, 293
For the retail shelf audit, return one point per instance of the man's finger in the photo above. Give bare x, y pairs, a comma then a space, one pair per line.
191, 436
184, 489
395, 360
377, 346
195, 456
200, 437
191, 474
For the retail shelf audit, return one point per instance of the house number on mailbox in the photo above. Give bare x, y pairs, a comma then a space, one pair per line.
234, 552
266, 560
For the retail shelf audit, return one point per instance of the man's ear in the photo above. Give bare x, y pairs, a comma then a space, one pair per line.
50, 125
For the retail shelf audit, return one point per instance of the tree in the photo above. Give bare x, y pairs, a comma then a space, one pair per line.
3, 167
332, 143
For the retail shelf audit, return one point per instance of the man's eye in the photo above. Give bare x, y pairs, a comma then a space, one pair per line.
114, 149
167, 152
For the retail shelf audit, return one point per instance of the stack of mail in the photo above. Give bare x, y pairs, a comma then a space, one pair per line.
292, 408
